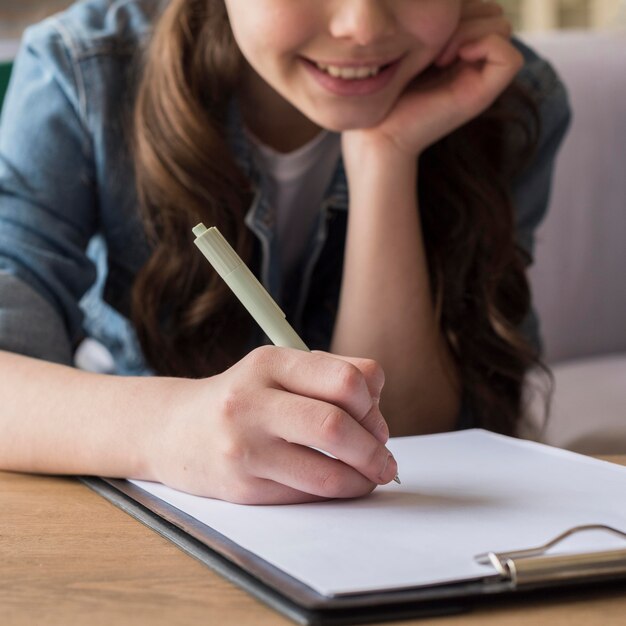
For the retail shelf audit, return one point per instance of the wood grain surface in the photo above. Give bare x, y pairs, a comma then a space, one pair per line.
69, 557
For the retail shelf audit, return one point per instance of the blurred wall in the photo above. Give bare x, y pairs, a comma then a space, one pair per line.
15, 15
537, 15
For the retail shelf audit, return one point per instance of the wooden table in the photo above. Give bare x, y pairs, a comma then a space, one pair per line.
69, 557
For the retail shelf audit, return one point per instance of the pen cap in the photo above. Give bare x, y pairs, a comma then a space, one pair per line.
216, 249
245, 285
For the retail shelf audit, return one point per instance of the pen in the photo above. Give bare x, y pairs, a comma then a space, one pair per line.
245, 285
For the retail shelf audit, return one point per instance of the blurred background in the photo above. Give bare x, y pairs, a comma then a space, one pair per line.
537, 15
15, 15
527, 15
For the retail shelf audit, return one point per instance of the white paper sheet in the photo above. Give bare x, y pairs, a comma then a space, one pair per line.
462, 494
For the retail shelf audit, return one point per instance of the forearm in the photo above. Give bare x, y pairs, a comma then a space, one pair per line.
386, 310
56, 419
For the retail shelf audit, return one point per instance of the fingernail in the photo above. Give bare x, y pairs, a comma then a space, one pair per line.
390, 460
381, 478
394, 465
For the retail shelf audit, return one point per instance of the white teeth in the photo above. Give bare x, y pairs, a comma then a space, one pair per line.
349, 73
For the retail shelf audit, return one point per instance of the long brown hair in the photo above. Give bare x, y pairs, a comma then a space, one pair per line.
186, 173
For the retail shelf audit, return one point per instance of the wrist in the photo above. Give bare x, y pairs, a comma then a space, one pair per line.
368, 160
380, 179
161, 408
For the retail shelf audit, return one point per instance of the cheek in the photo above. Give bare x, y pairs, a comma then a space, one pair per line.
433, 25
268, 30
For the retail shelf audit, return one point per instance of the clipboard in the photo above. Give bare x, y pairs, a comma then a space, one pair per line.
507, 573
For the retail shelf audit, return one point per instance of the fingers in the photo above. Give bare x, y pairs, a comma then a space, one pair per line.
501, 62
478, 19
307, 471
374, 422
263, 492
371, 370
337, 381
296, 426
324, 426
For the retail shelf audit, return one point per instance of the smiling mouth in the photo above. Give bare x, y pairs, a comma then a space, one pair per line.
350, 72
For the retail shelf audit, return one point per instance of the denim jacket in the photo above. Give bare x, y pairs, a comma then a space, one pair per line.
71, 241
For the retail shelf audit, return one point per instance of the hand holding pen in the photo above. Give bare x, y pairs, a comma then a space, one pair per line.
268, 417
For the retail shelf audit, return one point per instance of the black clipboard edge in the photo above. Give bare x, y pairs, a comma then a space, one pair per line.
305, 606
193, 547
341, 611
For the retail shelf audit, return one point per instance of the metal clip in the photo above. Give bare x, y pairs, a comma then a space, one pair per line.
532, 566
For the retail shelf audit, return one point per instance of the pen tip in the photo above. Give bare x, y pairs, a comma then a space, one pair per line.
397, 479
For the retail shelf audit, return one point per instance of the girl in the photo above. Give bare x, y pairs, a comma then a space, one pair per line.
258, 117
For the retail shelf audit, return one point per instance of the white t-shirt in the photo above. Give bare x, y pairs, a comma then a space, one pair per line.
297, 182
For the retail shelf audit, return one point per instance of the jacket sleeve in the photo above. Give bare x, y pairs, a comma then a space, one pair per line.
47, 201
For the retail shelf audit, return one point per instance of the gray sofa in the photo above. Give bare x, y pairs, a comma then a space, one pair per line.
578, 278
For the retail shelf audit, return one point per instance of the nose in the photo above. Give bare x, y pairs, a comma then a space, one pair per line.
362, 21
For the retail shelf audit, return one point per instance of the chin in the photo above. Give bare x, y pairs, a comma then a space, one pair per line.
341, 121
